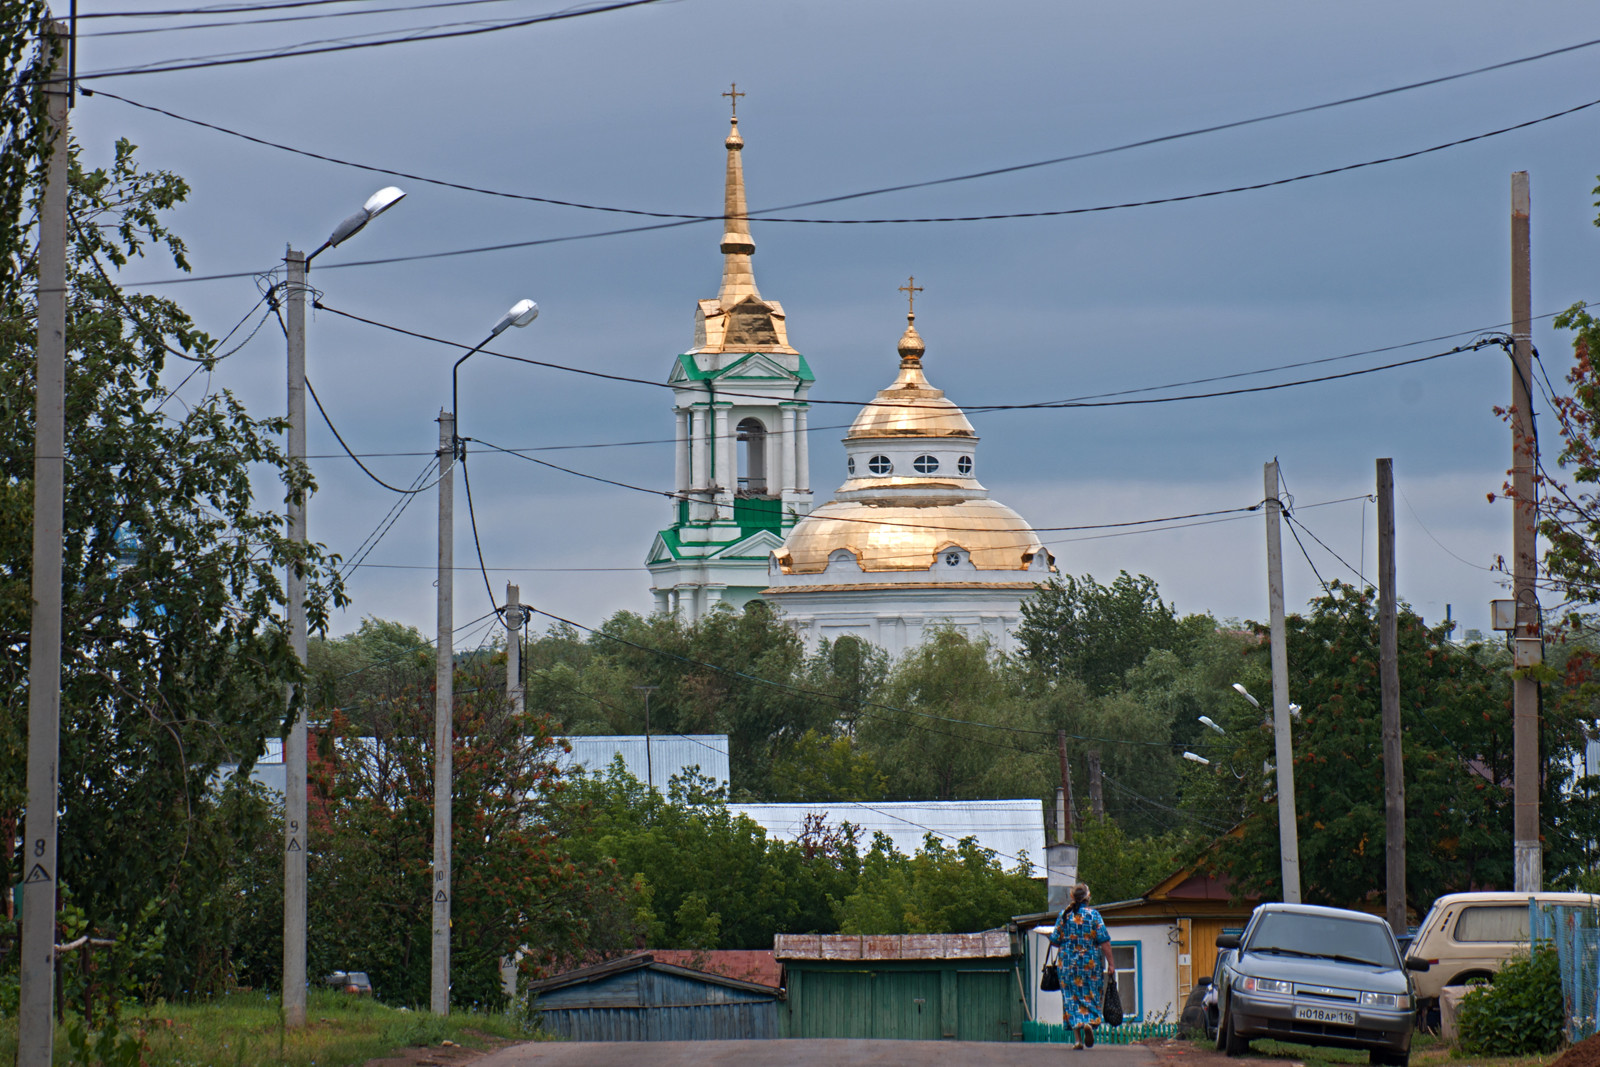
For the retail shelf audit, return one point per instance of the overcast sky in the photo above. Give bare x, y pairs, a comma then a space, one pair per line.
623, 109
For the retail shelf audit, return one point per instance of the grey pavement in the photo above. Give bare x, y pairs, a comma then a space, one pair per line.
833, 1052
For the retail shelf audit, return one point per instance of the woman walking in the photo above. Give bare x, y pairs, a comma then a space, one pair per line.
1085, 964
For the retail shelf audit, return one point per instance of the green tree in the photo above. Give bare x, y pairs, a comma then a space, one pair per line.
1456, 723
519, 885
171, 586
961, 725
1078, 628
940, 889
1118, 866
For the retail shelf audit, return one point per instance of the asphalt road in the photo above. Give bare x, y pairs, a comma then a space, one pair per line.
816, 1053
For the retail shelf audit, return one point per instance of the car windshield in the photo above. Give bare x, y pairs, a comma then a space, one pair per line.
1323, 937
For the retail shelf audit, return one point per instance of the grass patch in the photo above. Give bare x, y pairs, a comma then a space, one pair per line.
1426, 1051
245, 1029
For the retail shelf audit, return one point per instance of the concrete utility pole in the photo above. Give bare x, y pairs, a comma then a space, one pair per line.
1288, 832
515, 692
1528, 645
443, 721
1394, 782
294, 746
35, 1032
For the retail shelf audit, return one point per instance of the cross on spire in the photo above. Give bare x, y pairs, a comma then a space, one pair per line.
734, 94
911, 289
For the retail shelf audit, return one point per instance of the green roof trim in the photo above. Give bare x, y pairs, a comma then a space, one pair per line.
693, 372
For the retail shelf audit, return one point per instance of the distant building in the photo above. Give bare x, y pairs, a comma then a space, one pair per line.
656, 760
1012, 828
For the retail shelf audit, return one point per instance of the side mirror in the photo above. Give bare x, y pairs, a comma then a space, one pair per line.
1415, 964
1227, 940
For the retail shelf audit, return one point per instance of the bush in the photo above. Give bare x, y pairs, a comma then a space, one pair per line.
1522, 1013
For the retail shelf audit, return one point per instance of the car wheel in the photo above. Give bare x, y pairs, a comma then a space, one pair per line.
1216, 1031
1229, 1040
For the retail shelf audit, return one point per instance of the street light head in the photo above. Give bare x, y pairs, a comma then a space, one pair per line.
376, 205
521, 313
1193, 758
1210, 723
1242, 691
382, 201
1294, 710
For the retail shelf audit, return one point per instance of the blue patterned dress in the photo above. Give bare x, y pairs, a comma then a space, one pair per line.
1079, 934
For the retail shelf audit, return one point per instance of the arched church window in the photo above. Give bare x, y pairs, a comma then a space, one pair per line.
753, 456
880, 465
964, 464
850, 464
926, 464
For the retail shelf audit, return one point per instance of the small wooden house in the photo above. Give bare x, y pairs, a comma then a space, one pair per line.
637, 998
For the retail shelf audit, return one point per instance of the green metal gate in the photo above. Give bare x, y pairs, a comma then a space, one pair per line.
912, 1000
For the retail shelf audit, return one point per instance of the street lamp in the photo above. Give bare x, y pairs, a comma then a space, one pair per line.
1207, 721
450, 450
1238, 687
1193, 758
294, 749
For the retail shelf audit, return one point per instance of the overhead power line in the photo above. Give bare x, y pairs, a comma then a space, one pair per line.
325, 49
359, 12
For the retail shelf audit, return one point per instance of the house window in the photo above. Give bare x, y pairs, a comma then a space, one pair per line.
926, 464
880, 465
964, 465
1125, 954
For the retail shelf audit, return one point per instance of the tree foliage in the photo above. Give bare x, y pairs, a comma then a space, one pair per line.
172, 591
1078, 628
940, 888
1455, 715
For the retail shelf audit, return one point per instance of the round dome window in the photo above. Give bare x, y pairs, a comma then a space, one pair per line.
926, 464
964, 464
880, 465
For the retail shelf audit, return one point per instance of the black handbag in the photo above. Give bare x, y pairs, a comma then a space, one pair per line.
1050, 980
1111, 1012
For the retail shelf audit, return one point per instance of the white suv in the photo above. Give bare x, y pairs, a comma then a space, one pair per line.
1470, 936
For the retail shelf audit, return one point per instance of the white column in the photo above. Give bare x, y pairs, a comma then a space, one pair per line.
698, 465
681, 462
802, 452
663, 600
725, 475
786, 463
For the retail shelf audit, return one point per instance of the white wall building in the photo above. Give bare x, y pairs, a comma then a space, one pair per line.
911, 541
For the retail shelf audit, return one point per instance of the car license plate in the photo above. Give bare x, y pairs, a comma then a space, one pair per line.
1325, 1015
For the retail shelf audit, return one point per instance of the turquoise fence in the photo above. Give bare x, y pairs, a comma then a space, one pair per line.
1575, 932
1105, 1035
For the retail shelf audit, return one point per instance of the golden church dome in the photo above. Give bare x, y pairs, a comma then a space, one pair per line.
910, 407
906, 536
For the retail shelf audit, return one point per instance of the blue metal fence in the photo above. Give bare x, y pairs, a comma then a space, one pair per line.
1575, 933
1105, 1035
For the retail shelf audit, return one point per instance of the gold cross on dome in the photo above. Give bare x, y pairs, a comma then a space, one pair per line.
734, 94
911, 289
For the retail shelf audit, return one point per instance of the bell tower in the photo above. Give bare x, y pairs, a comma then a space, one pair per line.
742, 476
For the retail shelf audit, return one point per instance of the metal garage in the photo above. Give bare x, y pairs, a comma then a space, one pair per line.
637, 998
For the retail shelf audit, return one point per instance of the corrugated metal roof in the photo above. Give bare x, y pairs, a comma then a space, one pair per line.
669, 754
601, 972
1009, 827
987, 944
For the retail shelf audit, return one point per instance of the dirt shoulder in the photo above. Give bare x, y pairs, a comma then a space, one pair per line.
445, 1055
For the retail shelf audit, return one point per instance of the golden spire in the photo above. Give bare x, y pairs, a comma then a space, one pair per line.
911, 346
738, 279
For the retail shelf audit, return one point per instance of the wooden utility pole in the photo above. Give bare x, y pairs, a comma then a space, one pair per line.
1064, 796
1288, 831
1527, 647
40, 878
1394, 784
1097, 803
